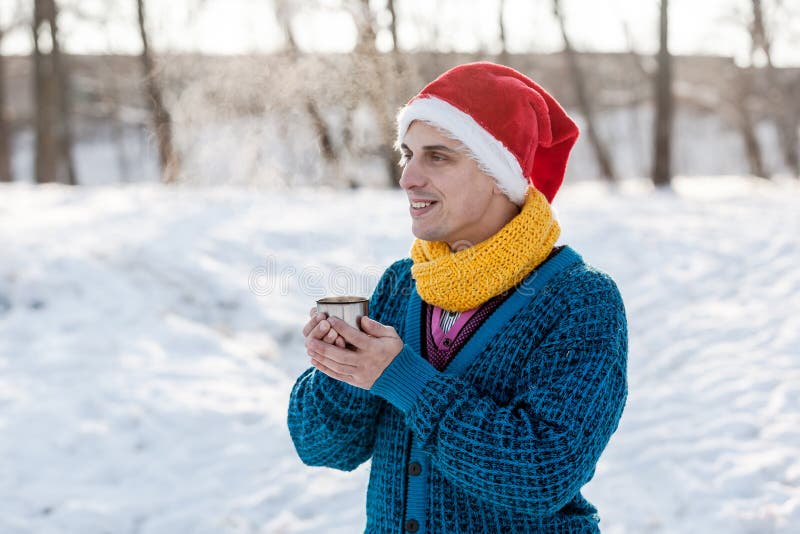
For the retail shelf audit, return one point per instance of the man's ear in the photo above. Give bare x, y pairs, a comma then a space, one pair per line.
496, 191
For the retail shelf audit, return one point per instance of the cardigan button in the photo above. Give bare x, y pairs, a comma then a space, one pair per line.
414, 468
412, 525
447, 341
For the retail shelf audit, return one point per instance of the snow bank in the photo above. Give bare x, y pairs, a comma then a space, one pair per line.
149, 338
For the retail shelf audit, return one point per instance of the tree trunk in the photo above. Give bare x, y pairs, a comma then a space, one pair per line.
162, 122
758, 33
398, 70
393, 24
324, 138
782, 119
318, 122
751, 145
790, 142
584, 101
46, 166
662, 172
376, 90
501, 24
63, 103
746, 125
46, 163
6, 174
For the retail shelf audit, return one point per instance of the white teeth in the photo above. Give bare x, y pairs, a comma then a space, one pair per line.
420, 204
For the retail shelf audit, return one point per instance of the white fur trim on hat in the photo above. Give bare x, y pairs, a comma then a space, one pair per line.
493, 157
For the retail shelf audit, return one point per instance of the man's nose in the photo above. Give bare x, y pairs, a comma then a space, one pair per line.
411, 176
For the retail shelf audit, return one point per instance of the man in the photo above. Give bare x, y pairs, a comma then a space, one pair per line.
491, 373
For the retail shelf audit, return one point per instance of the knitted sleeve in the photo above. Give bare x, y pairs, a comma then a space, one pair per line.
332, 423
536, 451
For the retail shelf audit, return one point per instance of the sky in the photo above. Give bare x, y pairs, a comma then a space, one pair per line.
246, 26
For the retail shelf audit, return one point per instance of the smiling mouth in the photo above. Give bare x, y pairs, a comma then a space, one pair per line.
421, 207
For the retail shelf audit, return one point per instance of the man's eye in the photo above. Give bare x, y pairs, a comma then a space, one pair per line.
437, 157
404, 159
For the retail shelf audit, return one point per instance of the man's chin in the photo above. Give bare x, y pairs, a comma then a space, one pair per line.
425, 234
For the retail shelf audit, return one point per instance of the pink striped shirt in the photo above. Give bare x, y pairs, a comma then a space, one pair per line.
440, 334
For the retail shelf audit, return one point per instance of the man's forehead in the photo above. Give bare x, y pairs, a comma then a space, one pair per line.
429, 137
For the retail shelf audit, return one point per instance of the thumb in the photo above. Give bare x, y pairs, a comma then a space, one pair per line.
374, 328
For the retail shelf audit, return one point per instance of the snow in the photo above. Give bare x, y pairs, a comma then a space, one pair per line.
149, 338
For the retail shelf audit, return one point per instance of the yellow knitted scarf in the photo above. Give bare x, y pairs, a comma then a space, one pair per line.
462, 280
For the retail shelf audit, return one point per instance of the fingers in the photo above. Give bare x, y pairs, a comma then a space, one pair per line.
351, 335
313, 322
318, 328
331, 335
324, 332
330, 372
376, 329
339, 359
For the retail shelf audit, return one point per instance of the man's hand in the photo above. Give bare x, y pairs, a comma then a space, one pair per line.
371, 353
319, 328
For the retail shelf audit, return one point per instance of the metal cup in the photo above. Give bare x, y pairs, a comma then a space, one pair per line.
348, 309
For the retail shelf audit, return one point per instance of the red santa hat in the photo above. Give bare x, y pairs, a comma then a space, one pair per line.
516, 131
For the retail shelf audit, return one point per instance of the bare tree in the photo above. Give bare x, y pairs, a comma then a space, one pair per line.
788, 123
744, 95
162, 122
741, 102
785, 123
326, 147
52, 92
636, 59
393, 23
395, 51
379, 90
637, 78
662, 172
6, 171
501, 25
584, 100
63, 100
6, 174
47, 160
758, 33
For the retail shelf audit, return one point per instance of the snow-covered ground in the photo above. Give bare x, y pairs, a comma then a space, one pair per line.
149, 338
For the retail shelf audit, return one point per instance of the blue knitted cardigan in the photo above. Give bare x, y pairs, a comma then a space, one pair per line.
505, 437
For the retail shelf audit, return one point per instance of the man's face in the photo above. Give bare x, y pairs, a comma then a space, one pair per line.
450, 198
